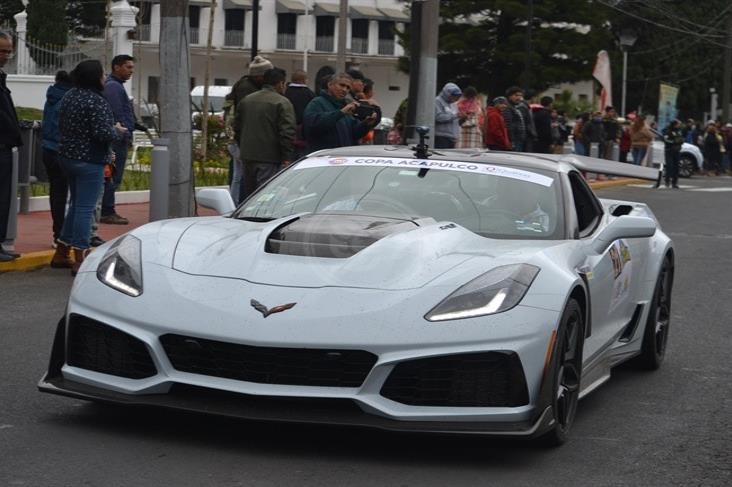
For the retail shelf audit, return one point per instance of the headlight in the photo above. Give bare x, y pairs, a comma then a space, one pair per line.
121, 266
495, 291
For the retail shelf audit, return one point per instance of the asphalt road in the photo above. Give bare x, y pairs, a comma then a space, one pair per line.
670, 427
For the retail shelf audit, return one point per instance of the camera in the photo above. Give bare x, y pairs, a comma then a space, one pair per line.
364, 111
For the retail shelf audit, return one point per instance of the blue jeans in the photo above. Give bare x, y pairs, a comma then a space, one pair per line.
120, 152
85, 184
579, 148
639, 153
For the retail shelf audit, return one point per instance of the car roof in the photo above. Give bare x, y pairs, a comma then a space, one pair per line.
544, 162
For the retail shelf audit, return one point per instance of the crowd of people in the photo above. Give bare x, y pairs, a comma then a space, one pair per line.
274, 123
86, 130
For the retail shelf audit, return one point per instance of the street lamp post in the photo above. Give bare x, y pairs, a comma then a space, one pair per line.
626, 38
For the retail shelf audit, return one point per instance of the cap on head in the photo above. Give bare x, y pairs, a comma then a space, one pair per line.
500, 100
259, 66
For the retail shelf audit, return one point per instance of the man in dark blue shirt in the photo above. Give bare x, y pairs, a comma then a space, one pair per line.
123, 66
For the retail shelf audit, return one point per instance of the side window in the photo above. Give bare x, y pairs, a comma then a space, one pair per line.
587, 208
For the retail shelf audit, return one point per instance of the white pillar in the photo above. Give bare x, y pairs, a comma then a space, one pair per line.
155, 23
24, 61
373, 48
123, 20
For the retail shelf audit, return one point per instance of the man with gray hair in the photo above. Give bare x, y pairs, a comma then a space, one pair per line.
9, 138
330, 121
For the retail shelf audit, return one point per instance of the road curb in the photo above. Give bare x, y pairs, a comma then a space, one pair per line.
37, 260
28, 262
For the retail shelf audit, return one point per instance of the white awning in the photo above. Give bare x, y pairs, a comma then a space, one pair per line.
363, 12
240, 4
290, 7
395, 14
327, 9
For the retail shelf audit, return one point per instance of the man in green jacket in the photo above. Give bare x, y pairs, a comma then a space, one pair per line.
265, 122
330, 121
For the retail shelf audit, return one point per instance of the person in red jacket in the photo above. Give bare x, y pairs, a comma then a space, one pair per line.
496, 133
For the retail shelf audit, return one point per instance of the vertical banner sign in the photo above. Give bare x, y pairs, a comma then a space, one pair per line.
667, 104
602, 74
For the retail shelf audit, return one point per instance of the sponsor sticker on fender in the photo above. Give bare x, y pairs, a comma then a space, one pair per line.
474, 168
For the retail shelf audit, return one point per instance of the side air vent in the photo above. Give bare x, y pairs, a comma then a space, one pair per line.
337, 236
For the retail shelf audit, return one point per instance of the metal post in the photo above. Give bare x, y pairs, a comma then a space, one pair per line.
159, 173
625, 80
727, 72
255, 28
342, 34
430, 26
414, 70
13, 217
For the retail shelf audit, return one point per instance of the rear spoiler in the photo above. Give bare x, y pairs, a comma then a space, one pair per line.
612, 168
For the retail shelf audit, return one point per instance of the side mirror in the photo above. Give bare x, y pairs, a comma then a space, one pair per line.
624, 227
216, 199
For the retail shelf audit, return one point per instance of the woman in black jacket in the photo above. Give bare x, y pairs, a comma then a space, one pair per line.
87, 129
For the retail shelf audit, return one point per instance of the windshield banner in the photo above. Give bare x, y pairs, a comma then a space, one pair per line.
475, 168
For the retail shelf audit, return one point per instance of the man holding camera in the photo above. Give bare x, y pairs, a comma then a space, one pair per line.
331, 121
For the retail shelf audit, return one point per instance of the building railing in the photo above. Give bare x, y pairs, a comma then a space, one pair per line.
386, 47
234, 38
324, 43
286, 41
143, 32
359, 45
194, 35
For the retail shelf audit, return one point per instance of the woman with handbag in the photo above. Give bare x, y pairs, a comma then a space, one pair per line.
87, 129
470, 116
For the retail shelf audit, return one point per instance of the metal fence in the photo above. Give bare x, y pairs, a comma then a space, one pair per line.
286, 41
47, 59
324, 43
359, 45
234, 38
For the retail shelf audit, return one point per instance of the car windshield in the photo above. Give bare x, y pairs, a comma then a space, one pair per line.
491, 200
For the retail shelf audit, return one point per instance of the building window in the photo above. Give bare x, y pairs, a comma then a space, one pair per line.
286, 30
386, 37
221, 82
153, 89
324, 33
144, 17
194, 21
360, 36
583, 98
234, 27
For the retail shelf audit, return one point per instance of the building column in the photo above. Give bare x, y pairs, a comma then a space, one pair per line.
373, 48
155, 23
24, 63
123, 21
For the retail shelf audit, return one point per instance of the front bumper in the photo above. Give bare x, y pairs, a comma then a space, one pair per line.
362, 405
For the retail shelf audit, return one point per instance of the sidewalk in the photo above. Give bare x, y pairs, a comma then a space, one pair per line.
35, 235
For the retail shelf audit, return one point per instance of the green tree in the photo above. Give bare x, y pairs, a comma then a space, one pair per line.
484, 42
88, 18
8, 8
47, 26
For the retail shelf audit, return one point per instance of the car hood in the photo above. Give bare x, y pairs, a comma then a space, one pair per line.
399, 254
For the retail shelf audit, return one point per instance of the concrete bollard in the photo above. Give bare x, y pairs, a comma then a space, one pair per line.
159, 179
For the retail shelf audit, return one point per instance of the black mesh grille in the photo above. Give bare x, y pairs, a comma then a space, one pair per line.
485, 379
92, 345
268, 365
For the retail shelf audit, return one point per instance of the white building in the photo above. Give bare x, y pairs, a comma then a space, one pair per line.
293, 34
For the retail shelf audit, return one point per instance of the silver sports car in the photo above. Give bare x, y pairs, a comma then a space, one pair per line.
456, 292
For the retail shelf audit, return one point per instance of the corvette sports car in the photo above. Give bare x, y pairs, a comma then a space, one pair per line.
456, 292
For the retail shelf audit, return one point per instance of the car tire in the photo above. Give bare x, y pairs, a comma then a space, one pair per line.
566, 374
687, 166
655, 334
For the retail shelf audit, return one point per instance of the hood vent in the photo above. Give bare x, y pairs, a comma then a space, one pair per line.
337, 236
